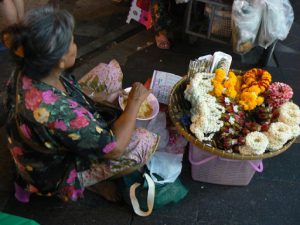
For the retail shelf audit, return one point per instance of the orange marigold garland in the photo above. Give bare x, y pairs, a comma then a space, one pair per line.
255, 82
256, 77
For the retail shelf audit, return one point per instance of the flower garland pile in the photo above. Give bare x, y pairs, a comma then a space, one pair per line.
206, 111
245, 114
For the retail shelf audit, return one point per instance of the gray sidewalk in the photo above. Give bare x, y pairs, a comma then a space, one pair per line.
271, 198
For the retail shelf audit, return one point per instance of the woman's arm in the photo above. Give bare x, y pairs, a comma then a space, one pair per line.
124, 126
103, 96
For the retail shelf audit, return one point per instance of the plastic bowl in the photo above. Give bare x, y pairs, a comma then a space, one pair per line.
152, 100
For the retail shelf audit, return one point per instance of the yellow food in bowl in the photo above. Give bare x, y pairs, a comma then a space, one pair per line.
145, 110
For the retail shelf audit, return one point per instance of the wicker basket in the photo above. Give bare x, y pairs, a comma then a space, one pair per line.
178, 107
217, 170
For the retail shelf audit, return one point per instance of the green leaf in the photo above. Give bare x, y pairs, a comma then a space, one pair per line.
95, 82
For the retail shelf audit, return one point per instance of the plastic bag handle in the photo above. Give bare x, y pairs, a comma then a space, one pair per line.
258, 168
150, 197
201, 161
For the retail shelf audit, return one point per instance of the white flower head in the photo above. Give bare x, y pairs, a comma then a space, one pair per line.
231, 120
257, 142
274, 144
280, 132
245, 150
295, 130
289, 113
226, 100
235, 108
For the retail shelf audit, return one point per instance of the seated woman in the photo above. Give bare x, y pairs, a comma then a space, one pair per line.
59, 142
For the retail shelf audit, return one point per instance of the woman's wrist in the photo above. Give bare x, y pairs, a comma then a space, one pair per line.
133, 106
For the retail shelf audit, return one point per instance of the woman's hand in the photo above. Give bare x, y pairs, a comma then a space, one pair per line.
124, 126
103, 96
138, 93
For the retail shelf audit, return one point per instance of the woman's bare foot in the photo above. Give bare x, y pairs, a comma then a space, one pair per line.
107, 190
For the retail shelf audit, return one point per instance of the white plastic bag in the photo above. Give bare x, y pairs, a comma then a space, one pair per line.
164, 162
167, 165
246, 19
158, 125
278, 17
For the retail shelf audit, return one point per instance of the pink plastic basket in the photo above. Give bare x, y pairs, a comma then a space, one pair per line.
217, 170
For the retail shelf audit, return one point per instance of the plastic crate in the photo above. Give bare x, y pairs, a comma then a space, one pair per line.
217, 170
220, 21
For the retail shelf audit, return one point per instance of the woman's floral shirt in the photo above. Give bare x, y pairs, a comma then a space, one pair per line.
61, 135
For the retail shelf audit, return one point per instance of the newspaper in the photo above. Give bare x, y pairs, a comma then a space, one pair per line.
162, 84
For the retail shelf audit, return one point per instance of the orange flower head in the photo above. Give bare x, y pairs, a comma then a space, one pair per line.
231, 92
259, 100
254, 88
238, 84
220, 75
218, 89
248, 100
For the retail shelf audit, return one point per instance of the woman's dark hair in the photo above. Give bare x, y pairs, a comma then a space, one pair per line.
44, 36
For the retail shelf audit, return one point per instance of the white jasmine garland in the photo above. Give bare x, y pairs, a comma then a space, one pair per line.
245, 150
289, 113
257, 142
197, 131
197, 90
295, 130
274, 144
290, 106
205, 75
280, 132
206, 111
209, 137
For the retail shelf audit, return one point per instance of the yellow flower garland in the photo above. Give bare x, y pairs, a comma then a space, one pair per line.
222, 86
245, 89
